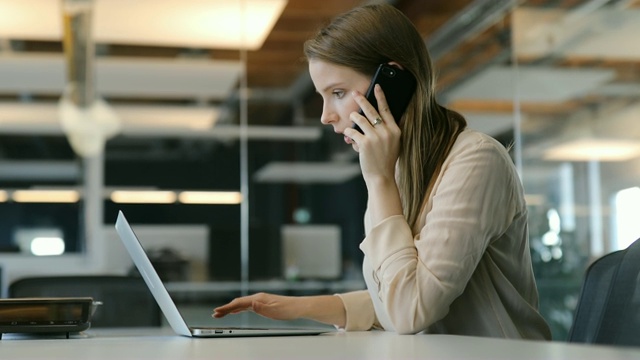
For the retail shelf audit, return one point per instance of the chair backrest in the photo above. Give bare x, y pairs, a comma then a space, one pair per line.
126, 300
608, 311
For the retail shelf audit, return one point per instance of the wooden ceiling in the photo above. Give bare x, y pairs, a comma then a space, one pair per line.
279, 63
494, 45
278, 67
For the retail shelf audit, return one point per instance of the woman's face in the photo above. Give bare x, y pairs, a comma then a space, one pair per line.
335, 84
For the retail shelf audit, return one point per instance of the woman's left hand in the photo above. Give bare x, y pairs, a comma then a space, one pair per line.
379, 145
268, 305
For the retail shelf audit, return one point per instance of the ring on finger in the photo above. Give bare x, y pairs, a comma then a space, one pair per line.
377, 121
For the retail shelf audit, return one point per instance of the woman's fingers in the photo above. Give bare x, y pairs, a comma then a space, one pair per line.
375, 116
235, 306
268, 305
361, 121
383, 106
370, 113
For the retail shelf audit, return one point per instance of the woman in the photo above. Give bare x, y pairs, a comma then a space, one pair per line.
446, 246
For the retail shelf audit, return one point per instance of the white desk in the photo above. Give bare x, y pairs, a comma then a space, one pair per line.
162, 344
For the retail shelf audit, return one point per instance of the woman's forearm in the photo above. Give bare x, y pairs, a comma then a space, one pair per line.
384, 199
327, 309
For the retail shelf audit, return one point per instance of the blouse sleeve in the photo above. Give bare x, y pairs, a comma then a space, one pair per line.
473, 202
359, 309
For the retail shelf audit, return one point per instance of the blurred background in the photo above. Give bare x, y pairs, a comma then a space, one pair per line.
198, 119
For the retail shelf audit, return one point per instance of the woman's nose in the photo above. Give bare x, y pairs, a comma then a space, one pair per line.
324, 119
327, 116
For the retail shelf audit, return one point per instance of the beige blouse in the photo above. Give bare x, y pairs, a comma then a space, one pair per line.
468, 270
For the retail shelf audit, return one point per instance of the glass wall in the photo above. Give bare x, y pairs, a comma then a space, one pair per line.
578, 92
302, 221
559, 82
195, 116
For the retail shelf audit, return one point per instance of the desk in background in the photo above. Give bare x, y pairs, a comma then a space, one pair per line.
158, 344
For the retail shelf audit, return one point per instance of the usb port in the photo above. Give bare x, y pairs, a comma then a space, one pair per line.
218, 331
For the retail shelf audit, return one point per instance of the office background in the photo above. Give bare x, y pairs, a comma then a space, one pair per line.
191, 113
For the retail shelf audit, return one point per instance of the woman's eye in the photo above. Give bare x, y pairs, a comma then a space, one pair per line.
338, 93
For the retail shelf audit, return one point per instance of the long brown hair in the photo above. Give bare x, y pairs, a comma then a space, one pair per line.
362, 39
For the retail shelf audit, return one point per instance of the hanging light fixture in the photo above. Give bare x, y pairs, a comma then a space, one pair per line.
87, 120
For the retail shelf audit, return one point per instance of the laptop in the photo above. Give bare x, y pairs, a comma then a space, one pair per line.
168, 307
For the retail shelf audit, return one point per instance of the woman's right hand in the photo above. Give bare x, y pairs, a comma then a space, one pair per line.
328, 309
268, 305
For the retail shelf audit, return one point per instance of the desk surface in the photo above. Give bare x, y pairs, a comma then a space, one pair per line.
157, 344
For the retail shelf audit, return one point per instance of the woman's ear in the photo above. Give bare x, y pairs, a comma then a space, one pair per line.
393, 63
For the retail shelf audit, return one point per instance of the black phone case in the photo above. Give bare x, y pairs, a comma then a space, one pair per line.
398, 86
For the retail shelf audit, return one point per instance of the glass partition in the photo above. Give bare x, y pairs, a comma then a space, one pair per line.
578, 103
559, 84
202, 140
303, 214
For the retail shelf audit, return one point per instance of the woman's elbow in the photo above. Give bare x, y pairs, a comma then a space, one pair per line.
408, 326
408, 329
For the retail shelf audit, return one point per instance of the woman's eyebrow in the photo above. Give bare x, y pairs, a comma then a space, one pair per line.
328, 87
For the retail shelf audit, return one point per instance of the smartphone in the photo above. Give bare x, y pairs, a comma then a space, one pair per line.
398, 86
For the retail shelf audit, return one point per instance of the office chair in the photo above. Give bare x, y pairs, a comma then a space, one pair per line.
608, 310
126, 300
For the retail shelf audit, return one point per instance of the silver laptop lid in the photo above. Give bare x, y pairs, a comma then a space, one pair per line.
150, 276
168, 307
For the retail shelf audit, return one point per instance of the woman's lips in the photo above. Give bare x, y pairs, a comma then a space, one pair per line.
348, 140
